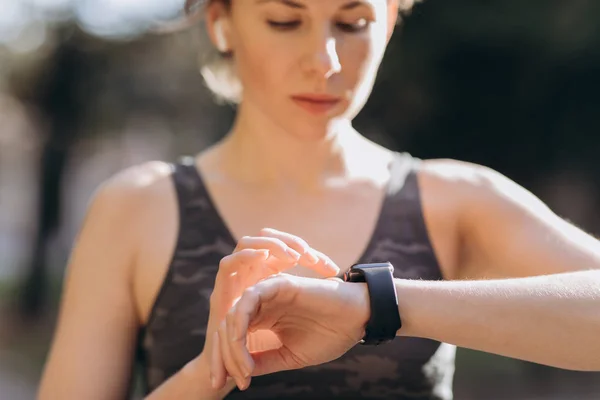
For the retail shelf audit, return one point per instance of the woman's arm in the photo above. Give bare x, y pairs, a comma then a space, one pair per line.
192, 382
93, 348
506, 232
552, 320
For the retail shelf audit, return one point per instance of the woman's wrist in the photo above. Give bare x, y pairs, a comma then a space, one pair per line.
407, 292
191, 382
409, 295
198, 378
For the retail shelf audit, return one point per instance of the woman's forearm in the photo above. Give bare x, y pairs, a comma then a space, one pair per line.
552, 320
191, 382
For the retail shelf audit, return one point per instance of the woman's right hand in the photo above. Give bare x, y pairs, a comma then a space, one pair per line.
254, 259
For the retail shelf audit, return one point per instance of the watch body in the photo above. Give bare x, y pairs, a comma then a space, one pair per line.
385, 320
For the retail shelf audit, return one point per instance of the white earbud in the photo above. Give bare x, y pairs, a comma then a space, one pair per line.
220, 37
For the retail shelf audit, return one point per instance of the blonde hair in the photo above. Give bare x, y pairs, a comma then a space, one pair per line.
218, 69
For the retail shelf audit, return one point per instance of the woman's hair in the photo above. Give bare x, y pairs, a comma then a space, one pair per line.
218, 69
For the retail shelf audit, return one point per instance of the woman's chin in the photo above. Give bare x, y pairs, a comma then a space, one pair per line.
317, 131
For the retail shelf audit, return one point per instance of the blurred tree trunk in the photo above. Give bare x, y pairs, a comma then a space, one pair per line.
58, 101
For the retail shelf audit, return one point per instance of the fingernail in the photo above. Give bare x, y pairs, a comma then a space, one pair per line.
213, 381
264, 254
334, 267
312, 256
246, 384
295, 256
240, 384
329, 263
246, 370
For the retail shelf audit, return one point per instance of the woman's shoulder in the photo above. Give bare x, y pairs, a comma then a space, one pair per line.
465, 179
140, 178
451, 170
130, 192
137, 182
453, 190
457, 195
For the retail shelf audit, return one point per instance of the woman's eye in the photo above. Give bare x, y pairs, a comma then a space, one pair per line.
358, 26
284, 25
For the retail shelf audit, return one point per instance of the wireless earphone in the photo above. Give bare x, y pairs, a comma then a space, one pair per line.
220, 37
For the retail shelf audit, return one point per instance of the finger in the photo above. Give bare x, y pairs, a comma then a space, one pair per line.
244, 258
255, 274
227, 282
249, 276
276, 247
327, 267
310, 257
230, 365
231, 266
218, 373
238, 347
246, 313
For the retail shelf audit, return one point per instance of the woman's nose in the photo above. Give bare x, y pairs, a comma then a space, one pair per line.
322, 56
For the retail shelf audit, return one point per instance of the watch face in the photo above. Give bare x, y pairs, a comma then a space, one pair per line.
356, 273
375, 265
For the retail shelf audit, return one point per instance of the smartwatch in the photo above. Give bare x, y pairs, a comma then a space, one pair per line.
384, 321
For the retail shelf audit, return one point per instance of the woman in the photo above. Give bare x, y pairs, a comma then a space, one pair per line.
165, 250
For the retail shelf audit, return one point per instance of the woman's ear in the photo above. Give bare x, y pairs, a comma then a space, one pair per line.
220, 39
217, 21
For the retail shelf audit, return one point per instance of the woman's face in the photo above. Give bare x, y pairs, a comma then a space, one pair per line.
304, 64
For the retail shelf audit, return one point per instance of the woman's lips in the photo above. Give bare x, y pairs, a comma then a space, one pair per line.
316, 104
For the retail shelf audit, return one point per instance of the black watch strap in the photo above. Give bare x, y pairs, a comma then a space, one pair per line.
385, 318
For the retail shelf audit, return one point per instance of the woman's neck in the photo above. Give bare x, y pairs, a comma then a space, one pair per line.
261, 153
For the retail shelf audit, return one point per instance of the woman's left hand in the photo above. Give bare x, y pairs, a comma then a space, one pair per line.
254, 259
314, 320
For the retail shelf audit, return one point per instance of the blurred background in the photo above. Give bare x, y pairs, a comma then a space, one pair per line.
87, 90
